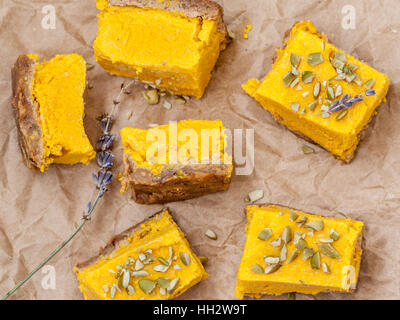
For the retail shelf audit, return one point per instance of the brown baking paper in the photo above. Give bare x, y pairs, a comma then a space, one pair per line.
39, 210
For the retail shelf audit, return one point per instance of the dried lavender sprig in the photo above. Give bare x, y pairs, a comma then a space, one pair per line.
102, 179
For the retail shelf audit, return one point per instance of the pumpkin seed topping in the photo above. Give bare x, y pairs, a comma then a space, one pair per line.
125, 279
271, 260
138, 265
295, 60
341, 115
147, 285
302, 221
287, 235
315, 59
316, 225
317, 89
283, 253
113, 291
293, 216
325, 268
301, 244
307, 76
272, 268
330, 93
369, 84
89, 66
338, 91
293, 256
160, 268
329, 251
316, 261
141, 273
257, 269
163, 261
172, 286
185, 258
256, 195
130, 290
265, 234
325, 240
151, 96
211, 235
163, 282
295, 107
203, 260
307, 150
288, 79
334, 235
307, 253
312, 105
276, 243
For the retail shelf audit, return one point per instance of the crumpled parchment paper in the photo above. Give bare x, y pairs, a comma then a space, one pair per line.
38, 211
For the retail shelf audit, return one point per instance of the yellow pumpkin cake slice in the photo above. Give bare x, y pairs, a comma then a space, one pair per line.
48, 106
172, 44
150, 261
319, 92
288, 251
175, 162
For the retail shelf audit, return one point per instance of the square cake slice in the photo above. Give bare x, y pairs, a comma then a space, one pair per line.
319, 92
150, 261
172, 44
48, 106
291, 251
175, 162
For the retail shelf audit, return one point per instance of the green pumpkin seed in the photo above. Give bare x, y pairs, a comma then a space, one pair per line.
138, 265
211, 235
357, 80
163, 282
307, 253
325, 268
172, 286
316, 261
312, 105
130, 290
293, 216
288, 79
340, 76
283, 253
338, 91
307, 76
329, 251
295, 60
272, 268
151, 96
265, 234
340, 56
147, 285
341, 115
302, 221
317, 89
330, 93
337, 64
293, 256
316, 225
307, 150
301, 244
141, 273
257, 269
185, 258
334, 235
287, 235
315, 59
295, 107
113, 291
271, 260
125, 279
350, 68
256, 195
276, 243
369, 84
163, 261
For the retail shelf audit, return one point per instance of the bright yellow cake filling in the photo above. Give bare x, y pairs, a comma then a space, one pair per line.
184, 142
170, 50
298, 275
153, 252
339, 136
57, 87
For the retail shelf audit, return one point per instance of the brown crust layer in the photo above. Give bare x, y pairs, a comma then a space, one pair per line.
205, 9
115, 242
30, 136
196, 181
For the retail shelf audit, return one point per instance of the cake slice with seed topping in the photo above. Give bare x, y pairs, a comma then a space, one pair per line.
291, 251
150, 261
319, 92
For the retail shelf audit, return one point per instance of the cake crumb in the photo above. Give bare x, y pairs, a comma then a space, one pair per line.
247, 30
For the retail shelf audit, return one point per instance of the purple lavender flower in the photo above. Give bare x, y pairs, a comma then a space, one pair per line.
106, 140
105, 159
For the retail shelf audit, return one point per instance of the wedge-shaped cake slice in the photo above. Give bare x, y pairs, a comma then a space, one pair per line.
172, 45
151, 261
175, 162
291, 251
319, 92
49, 108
